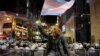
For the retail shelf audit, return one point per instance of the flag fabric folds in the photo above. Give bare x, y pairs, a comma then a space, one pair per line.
56, 7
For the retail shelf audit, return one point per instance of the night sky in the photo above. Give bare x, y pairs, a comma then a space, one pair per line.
20, 5
35, 5
8, 5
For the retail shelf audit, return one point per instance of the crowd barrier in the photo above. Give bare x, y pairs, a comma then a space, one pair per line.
13, 52
83, 52
22, 52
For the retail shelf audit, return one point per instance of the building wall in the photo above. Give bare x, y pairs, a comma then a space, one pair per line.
95, 20
70, 28
1, 24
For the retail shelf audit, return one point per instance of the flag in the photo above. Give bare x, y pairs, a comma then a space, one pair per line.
56, 7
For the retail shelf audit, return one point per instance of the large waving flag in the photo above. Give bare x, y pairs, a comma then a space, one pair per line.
56, 7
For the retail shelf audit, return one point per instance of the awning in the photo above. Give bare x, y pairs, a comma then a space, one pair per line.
56, 7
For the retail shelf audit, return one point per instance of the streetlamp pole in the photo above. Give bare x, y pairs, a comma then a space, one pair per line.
13, 28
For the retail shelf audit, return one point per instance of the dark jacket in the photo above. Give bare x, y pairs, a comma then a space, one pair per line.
58, 45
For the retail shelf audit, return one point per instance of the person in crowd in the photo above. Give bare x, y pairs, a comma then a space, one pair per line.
57, 45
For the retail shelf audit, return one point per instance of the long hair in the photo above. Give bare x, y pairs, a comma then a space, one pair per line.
55, 31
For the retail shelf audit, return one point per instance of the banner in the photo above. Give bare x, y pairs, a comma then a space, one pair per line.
56, 7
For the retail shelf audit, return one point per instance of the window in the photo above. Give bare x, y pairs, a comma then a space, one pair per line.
7, 25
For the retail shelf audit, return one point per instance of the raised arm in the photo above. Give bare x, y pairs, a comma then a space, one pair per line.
41, 28
44, 33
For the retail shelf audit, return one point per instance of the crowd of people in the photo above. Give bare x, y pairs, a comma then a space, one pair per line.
85, 46
26, 45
